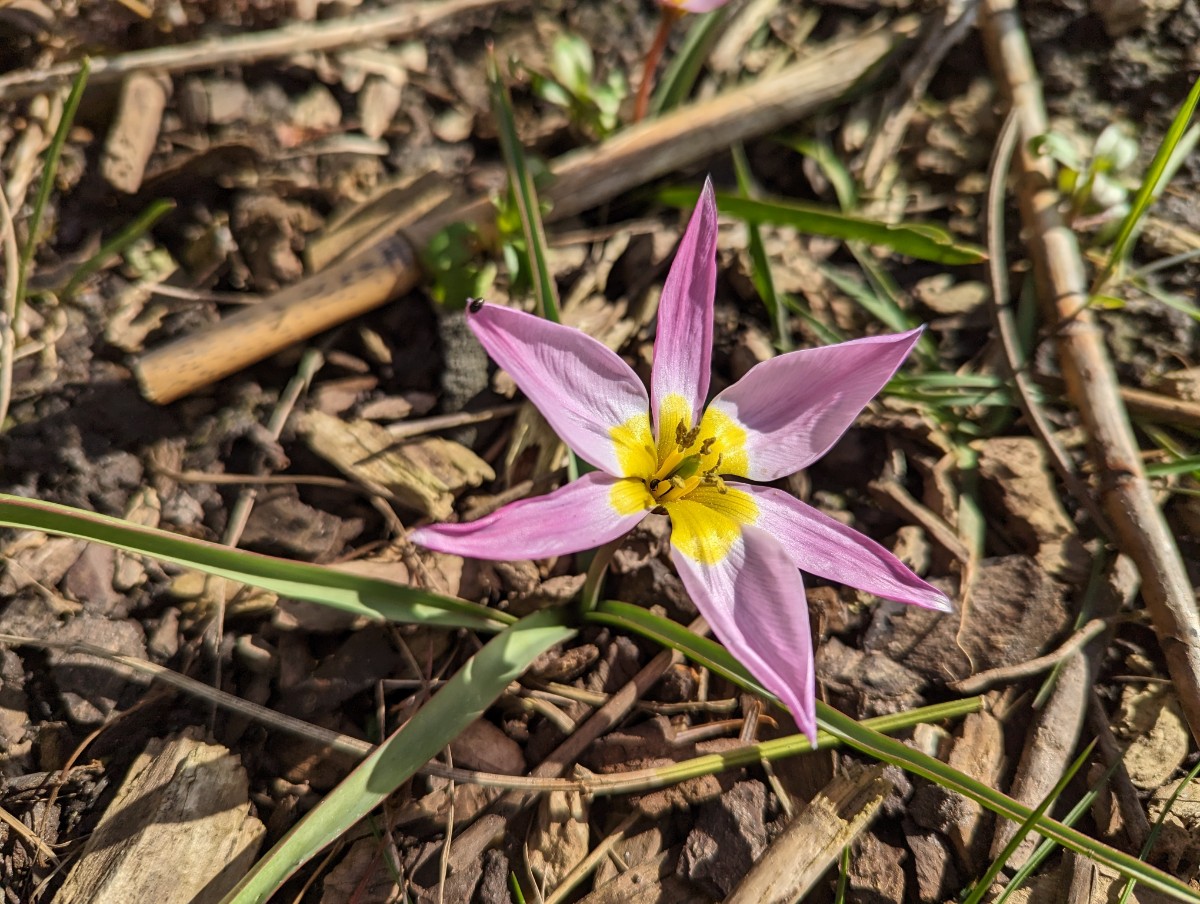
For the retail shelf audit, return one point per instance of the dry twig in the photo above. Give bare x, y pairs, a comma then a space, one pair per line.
1137, 522
388, 23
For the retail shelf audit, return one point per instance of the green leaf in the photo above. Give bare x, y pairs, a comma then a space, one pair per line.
1165, 158
462, 700
368, 597
683, 70
521, 182
46, 184
761, 276
924, 241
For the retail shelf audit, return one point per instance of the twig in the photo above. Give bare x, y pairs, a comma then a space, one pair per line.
1006, 328
942, 31
421, 426
1138, 524
977, 684
582, 180
307, 37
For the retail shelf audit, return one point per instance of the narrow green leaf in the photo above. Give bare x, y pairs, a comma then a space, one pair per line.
1047, 846
521, 183
1156, 830
462, 700
761, 276
49, 171
338, 589
989, 876
924, 241
683, 70
121, 240
891, 751
1150, 187
835, 171
702, 650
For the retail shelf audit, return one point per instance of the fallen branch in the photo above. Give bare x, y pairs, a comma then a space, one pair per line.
582, 179
1139, 526
385, 24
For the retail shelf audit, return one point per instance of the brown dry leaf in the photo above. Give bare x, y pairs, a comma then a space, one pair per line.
423, 475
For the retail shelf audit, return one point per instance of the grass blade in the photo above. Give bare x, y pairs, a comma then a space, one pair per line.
924, 241
683, 71
764, 282
122, 239
521, 183
985, 881
461, 701
49, 171
368, 597
1150, 187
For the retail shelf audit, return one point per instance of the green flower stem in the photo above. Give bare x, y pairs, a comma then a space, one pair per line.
595, 574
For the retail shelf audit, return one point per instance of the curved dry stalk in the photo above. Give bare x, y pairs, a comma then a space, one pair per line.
1138, 524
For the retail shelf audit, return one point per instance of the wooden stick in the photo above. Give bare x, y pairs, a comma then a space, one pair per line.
583, 179
388, 23
1141, 531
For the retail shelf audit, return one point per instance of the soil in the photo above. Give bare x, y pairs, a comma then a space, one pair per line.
266, 159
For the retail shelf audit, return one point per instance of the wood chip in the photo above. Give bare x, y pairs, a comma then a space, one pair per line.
814, 839
180, 830
422, 475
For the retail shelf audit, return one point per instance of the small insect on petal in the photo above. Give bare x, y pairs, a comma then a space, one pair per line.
475, 305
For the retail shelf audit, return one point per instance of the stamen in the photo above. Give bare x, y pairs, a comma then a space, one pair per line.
688, 438
706, 446
679, 488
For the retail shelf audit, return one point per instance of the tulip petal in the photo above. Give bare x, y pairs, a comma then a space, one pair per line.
795, 407
753, 599
592, 399
823, 546
683, 342
583, 514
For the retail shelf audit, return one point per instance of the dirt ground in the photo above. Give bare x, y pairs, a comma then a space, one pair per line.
276, 163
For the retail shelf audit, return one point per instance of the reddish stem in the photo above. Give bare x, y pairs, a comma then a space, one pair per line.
653, 57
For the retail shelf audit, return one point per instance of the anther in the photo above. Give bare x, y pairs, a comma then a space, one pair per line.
688, 439
706, 446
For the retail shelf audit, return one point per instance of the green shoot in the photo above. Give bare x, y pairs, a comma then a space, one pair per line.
1149, 190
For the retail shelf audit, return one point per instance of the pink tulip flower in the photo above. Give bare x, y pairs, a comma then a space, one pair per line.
737, 546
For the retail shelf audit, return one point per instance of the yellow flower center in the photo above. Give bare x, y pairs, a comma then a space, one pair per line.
682, 473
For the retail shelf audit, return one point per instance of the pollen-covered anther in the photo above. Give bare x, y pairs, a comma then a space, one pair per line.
706, 446
688, 437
